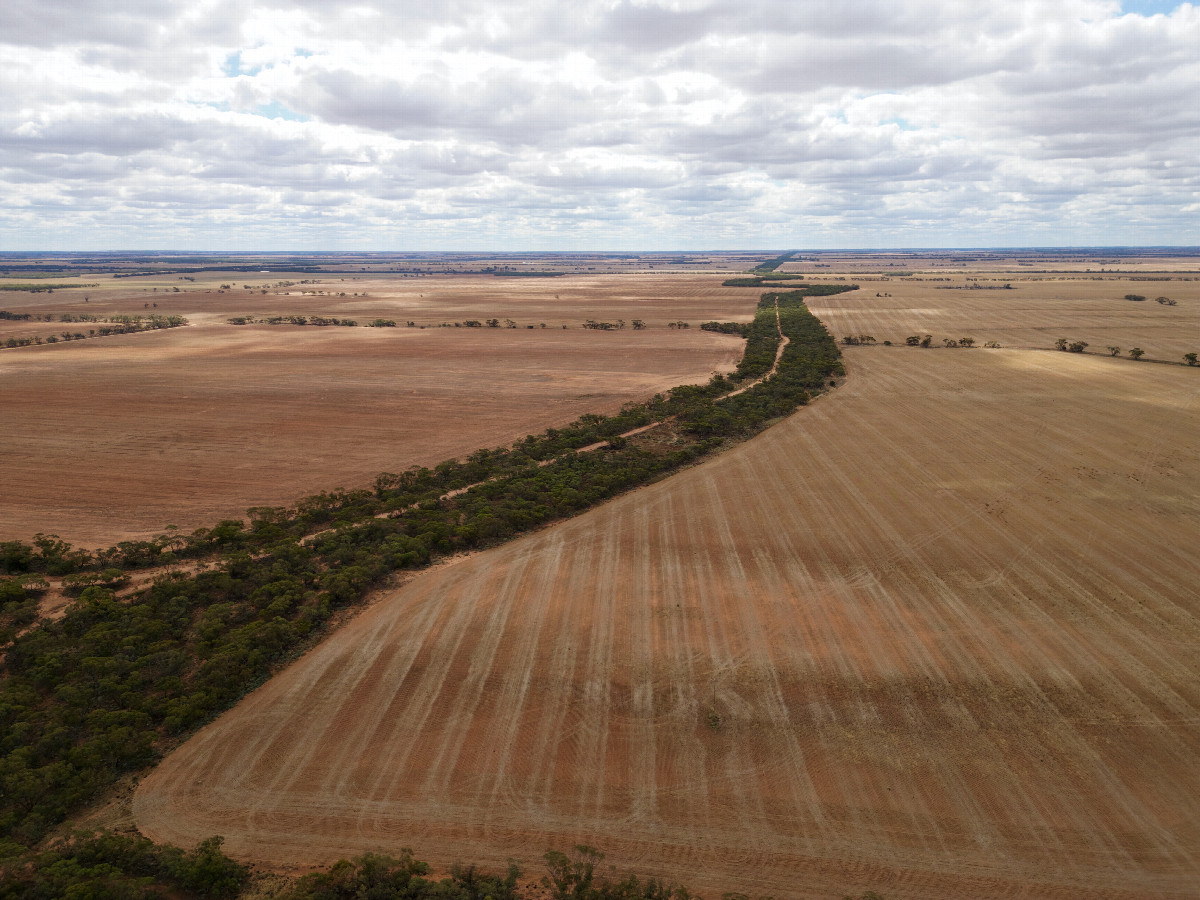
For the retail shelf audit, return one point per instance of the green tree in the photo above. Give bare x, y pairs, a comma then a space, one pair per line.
1137, 352
1190, 358
571, 878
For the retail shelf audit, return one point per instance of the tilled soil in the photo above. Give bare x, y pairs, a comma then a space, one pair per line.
115, 438
933, 636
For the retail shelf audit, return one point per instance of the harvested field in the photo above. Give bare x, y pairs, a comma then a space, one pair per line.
1034, 313
115, 438
933, 636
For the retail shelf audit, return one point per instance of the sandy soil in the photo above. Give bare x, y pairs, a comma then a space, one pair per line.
118, 437
934, 636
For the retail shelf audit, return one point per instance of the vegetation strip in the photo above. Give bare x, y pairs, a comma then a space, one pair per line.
112, 685
124, 867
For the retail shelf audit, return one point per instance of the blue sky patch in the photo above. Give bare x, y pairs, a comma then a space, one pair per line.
1149, 7
276, 110
233, 66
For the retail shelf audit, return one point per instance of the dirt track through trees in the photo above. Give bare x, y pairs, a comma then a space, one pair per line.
934, 636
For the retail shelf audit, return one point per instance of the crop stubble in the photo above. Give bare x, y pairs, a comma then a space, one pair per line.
115, 438
934, 635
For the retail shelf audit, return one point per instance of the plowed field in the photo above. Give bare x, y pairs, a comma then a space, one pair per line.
935, 636
115, 438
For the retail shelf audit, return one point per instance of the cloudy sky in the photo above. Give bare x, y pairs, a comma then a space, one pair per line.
597, 124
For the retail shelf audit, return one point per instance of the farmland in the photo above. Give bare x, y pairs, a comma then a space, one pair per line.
122, 436
932, 636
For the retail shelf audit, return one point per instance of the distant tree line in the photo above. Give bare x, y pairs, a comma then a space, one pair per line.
772, 264
120, 325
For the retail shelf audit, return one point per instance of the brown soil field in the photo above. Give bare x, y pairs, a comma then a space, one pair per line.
115, 438
934, 636
1032, 314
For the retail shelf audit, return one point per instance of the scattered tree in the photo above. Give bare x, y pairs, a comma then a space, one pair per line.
1060, 344
1077, 346
966, 342
1190, 358
1136, 297
927, 340
1137, 352
913, 340
1114, 351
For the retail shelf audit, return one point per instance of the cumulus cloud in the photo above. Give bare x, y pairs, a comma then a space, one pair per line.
603, 123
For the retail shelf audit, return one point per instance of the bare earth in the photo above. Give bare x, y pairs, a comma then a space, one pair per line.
1032, 314
116, 438
934, 636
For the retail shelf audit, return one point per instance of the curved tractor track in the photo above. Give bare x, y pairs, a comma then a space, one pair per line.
934, 636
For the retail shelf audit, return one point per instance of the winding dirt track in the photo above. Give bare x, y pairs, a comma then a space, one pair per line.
934, 636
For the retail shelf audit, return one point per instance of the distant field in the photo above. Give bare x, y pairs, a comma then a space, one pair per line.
121, 436
933, 636
1031, 314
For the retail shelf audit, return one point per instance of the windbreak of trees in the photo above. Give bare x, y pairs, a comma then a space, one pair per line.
741, 329
127, 867
122, 867
120, 324
101, 691
773, 264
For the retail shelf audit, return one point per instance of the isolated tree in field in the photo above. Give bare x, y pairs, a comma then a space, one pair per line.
927, 340
1114, 351
949, 342
1137, 352
913, 340
1137, 297
1060, 344
637, 324
1190, 358
966, 342
992, 345
1077, 346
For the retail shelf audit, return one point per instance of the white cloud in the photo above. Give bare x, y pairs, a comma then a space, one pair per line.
227, 123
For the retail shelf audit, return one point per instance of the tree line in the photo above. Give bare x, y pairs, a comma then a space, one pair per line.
102, 691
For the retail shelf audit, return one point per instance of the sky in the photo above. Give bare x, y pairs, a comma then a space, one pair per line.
597, 124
